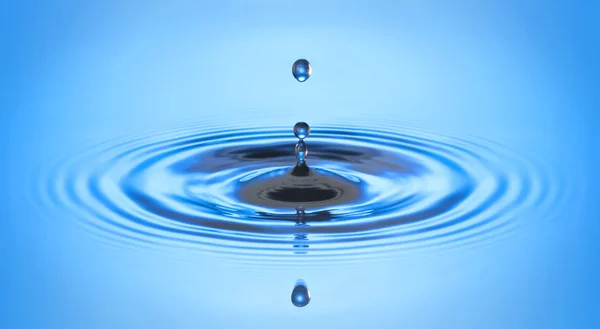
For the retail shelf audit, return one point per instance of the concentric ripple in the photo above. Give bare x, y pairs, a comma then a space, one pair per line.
232, 190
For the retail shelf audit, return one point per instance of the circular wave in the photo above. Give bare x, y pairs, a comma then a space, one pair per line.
233, 190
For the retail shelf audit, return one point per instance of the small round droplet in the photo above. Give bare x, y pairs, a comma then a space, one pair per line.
300, 294
301, 70
301, 130
301, 151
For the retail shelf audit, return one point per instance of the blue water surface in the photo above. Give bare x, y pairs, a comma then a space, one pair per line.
141, 142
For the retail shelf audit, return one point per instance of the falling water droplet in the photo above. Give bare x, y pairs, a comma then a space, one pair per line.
301, 70
301, 151
300, 294
301, 130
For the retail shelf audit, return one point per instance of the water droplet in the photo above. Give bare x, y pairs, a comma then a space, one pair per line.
301, 130
301, 70
301, 151
300, 294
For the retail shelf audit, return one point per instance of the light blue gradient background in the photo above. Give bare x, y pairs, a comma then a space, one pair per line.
524, 73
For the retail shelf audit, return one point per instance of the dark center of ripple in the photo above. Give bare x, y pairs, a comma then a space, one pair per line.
285, 189
303, 194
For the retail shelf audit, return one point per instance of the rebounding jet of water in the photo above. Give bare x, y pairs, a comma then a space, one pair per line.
301, 130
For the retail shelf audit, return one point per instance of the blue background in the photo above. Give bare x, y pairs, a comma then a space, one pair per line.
524, 73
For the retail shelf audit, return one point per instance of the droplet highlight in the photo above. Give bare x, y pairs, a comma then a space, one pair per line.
300, 294
301, 70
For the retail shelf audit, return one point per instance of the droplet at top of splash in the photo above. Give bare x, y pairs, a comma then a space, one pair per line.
301, 130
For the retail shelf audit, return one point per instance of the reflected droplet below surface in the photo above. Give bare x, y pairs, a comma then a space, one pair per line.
300, 294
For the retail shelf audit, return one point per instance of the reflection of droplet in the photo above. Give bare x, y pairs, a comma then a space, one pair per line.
300, 239
301, 130
301, 70
301, 151
300, 294
300, 243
